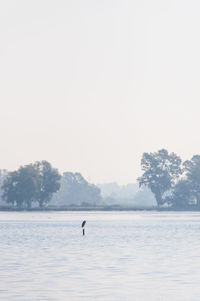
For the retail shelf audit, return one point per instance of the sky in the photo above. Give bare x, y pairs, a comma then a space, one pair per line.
91, 85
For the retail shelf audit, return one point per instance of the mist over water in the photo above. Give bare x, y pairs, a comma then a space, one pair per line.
124, 256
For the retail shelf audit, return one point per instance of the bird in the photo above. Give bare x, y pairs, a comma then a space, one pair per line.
83, 223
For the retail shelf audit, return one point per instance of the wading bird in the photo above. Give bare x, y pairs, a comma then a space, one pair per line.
83, 225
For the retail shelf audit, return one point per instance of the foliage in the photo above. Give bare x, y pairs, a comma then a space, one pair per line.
192, 171
3, 176
49, 182
31, 183
75, 190
161, 170
21, 186
181, 195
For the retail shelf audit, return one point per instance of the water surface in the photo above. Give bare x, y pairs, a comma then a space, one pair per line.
124, 256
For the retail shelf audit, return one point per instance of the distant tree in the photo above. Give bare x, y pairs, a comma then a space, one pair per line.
181, 195
20, 187
49, 182
144, 198
31, 183
10, 191
161, 170
3, 176
192, 172
75, 190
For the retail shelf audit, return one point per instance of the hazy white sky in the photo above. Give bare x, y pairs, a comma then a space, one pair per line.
91, 85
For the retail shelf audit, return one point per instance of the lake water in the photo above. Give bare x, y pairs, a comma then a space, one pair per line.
123, 256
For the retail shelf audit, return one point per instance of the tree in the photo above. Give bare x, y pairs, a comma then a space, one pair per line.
75, 190
181, 195
31, 183
49, 182
3, 176
161, 170
192, 171
20, 187
10, 192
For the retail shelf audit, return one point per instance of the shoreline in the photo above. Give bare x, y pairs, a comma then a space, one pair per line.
93, 208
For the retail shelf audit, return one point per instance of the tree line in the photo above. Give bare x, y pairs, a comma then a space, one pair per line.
174, 183
76, 191
39, 184
32, 183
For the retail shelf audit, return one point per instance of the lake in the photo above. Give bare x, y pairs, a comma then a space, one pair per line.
123, 256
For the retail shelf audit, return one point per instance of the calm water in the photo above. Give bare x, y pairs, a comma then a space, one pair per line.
124, 256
